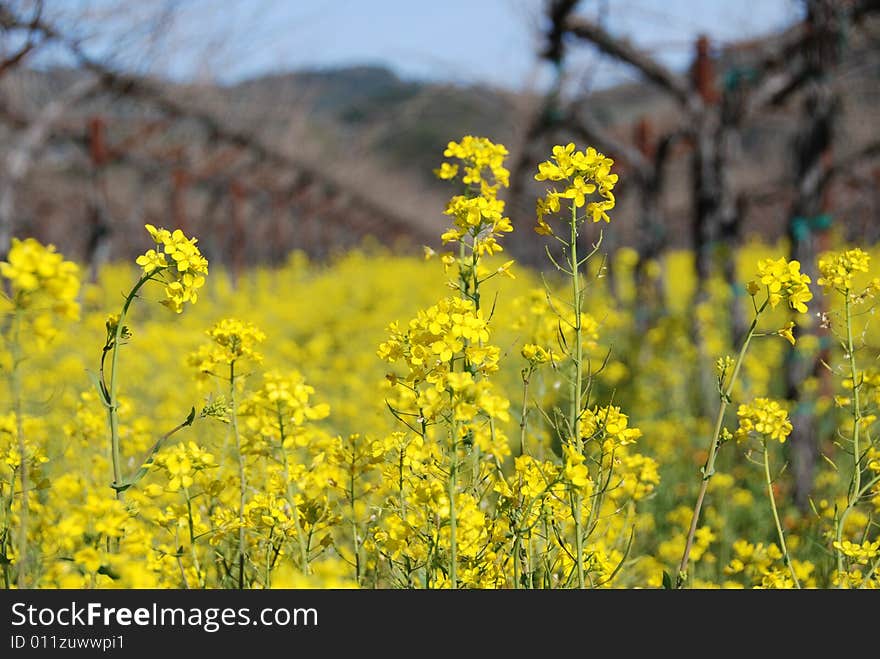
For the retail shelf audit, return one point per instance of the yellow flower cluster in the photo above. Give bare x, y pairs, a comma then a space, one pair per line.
478, 214
787, 332
639, 476
837, 269
538, 318
584, 174
232, 340
760, 566
861, 553
449, 332
785, 282
10, 449
536, 354
42, 284
480, 158
575, 471
763, 417
177, 262
609, 426
447, 356
279, 411
181, 464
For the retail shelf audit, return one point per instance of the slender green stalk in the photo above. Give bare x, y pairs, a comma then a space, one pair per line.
463, 280
111, 390
180, 567
768, 481
529, 565
576, 502
24, 514
6, 531
576, 392
303, 550
709, 468
577, 384
854, 493
523, 423
517, 548
242, 482
523, 428
354, 527
267, 579
469, 285
192, 538
453, 541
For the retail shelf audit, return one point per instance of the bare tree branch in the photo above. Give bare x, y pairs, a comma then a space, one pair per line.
598, 135
15, 59
30, 44
623, 50
558, 12
140, 88
774, 89
20, 156
847, 163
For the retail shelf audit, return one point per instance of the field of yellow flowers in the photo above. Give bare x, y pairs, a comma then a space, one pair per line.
446, 420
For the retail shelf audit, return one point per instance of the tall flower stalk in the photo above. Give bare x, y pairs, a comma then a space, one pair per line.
838, 272
768, 420
584, 179
41, 285
233, 344
781, 281
446, 348
179, 266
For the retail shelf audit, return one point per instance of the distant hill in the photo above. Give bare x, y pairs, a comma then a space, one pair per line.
370, 110
368, 130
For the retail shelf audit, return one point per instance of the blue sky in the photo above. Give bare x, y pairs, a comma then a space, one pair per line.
464, 41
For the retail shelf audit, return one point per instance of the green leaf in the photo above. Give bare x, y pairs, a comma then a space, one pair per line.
140, 473
667, 581
148, 458
108, 571
102, 392
121, 488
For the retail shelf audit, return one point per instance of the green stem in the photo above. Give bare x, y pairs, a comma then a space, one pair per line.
192, 538
523, 423
530, 569
768, 481
576, 503
401, 498
576, 389
180, 565
596, 507
463, 281
854, 493
24, 516
354, 527
301, 542
453, 548
267, 579
577, 384
709, 467
242, 482
113, 402
517, 548
6, 530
